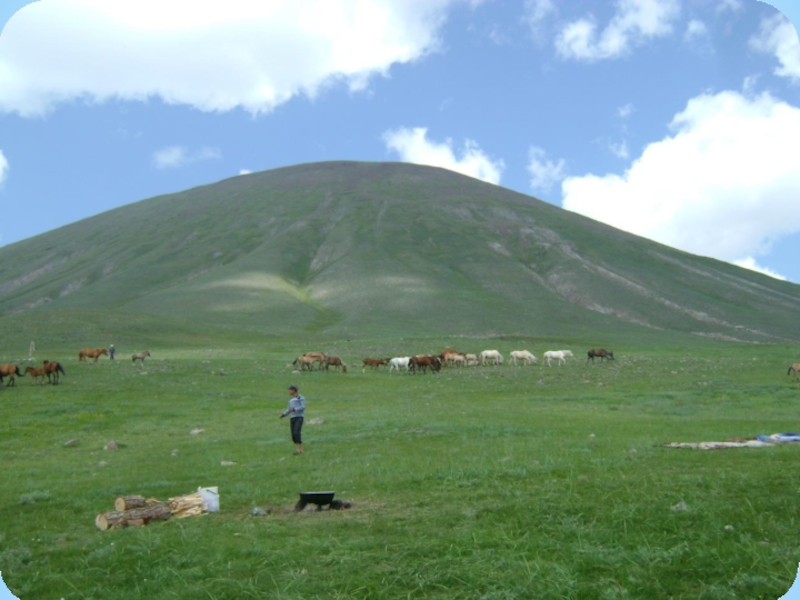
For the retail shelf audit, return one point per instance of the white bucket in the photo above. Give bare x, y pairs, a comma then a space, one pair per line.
210, 497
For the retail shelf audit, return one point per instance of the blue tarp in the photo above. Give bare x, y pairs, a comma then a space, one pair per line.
779, 437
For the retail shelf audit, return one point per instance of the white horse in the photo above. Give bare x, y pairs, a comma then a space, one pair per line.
399, 363
523, 355
472, 360
493, 355
559, 355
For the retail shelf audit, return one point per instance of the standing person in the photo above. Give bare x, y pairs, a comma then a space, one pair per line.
111, 351
296, 408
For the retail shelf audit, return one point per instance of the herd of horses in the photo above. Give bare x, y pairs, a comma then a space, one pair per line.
420, 362
446, 358
52, 370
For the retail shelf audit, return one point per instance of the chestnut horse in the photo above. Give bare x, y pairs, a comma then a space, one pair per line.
336, 362
94, 353
36, 374
10, 370
423, 362
375, 363
52, 367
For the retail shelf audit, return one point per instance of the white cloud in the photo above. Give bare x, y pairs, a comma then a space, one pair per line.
245, 172
619, 150
3, 167
173, 157
776, 35
214, 56
632, 24
750, 263
731, 5
695, 29
413, 146
543, 171
538, 10
536, 13
623, 112
749, 84
724, 184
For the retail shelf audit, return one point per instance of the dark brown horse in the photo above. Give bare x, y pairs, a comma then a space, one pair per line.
36, 374
423, 362
10, 370
94, 353
375, 363
601, 354
52, 367
336, 362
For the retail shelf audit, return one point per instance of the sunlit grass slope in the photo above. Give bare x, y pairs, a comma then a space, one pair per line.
346, 249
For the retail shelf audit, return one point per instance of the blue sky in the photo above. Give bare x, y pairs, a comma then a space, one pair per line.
677, 120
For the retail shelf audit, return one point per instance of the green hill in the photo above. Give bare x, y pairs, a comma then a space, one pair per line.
352, 249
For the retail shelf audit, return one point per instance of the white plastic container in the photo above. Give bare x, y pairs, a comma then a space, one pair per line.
210, 497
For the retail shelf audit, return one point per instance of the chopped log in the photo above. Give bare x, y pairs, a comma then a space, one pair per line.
113, 519
156, 512
118, 519
129, 502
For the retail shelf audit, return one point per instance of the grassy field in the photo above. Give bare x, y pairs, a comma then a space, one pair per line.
491, 482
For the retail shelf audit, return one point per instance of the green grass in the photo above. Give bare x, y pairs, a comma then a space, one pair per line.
504, 482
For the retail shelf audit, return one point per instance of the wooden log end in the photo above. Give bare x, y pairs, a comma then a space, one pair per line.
129, 502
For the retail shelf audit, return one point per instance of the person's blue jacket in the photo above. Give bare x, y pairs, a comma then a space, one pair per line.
297, 407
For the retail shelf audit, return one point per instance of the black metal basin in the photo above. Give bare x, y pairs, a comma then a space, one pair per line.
318, 498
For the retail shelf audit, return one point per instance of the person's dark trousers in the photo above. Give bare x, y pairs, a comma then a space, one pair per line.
296, 425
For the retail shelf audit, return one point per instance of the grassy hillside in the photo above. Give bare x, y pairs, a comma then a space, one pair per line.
347, 249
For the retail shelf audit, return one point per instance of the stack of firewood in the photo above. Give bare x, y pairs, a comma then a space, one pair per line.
187, 506
133, 511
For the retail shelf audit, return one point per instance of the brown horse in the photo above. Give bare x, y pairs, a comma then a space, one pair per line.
94, 353
336, 362
36, 374
375, 363
52, 367
10, 370
600, 353
794, 370
423, 362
